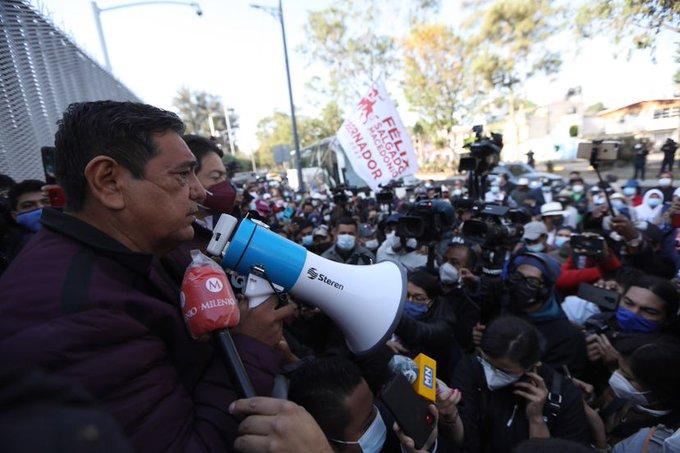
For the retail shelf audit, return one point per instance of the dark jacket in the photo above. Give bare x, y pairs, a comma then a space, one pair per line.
495, 421
80, 305
431, 334
564, 344
359, 255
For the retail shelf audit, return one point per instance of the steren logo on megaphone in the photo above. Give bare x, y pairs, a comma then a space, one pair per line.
314, 275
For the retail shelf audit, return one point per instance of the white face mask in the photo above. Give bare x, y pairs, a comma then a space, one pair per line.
495, 189
412, 243
577, 188
448, 274
624, 389
393, 240
665, 182
373, 439
345, 241
372, 244
495, 378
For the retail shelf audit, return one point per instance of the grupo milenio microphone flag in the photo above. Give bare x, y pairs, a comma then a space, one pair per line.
375, 140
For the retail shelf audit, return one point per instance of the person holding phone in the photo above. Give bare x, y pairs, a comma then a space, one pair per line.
506, 389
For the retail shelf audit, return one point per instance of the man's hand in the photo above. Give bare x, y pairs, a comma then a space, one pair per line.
604, 348
467, 277
622, 225
409, 445
478, 333
265, 322
535, 392
275, 425
593, 348
396, 347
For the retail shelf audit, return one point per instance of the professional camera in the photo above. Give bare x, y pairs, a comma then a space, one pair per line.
494, 226
587, 244
426, 221
339, 195
485, 152
386, 194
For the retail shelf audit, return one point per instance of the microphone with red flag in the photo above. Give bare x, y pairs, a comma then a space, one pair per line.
210, 308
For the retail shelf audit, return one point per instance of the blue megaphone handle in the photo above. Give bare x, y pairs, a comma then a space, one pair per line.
253, 245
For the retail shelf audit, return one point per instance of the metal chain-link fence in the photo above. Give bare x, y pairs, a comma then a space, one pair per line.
41, 72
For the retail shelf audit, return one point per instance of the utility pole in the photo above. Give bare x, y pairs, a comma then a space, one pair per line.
277, 13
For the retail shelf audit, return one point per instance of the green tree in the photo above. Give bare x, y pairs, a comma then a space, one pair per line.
597, 107
641, 21
197, 108
344, 40
509, 37
435, 82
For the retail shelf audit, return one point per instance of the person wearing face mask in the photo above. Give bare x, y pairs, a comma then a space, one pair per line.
651, 208
346, 249
427, 324
649, 305
632, 192
403, 251
640, 161
494, 194
367, 237
336, 395
648, 381
531, 294
579, 198
535, 237
666, 186
562, 247
642, 391
552, 216
505, 390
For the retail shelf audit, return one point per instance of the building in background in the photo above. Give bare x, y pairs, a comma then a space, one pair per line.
42, 71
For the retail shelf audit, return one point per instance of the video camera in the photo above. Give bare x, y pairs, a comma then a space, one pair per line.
426, 220
485, 152
339, 195
494, 226
386, 194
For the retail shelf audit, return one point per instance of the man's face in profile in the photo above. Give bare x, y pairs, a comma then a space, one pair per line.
162, 205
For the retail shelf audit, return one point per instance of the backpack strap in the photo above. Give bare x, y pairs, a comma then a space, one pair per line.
555, 396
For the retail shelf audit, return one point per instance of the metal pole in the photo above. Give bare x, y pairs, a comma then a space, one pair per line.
298, 159
100, 30
227, 119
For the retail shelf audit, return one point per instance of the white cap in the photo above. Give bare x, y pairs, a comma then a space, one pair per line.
534, 230
553, 208
523, 182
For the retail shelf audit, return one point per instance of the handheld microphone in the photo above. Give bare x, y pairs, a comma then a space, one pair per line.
421, 373
209, 307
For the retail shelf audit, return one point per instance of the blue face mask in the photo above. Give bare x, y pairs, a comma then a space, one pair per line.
618, 204
307, 240
414, 310
632, 322
561, 240
653, 202
536, 248
629, 191
30, 219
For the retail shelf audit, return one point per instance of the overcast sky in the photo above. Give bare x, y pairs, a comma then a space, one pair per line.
235, 51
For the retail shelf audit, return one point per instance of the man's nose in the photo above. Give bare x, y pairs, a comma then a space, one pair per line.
197, 192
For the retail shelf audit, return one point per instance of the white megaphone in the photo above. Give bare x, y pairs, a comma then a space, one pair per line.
364, 301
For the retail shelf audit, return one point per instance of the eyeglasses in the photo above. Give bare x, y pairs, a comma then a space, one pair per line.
417, 297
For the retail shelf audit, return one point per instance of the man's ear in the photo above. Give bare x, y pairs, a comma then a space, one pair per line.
105, 179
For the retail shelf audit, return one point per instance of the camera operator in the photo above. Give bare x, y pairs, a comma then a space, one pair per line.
586, 265
346, 249
404, 251
105, 314
649, 305
506, 391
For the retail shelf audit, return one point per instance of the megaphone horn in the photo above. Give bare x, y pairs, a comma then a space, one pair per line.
364, 301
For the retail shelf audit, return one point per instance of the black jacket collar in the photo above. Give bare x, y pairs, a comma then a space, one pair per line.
83, 232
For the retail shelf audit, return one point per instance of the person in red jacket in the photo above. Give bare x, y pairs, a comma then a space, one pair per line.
585, 267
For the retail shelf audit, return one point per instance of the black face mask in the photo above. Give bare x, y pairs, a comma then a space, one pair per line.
526, 291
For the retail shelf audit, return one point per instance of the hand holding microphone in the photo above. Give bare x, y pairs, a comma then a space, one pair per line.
210, 309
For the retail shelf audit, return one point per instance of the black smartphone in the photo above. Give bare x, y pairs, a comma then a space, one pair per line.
48, 161
411, 412
605, 299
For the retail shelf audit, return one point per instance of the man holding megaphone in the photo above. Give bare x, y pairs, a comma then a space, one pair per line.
88, 301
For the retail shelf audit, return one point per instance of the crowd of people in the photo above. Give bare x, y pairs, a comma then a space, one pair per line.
561, 331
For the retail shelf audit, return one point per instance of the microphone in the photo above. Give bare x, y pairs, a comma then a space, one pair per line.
421, 373
209, 308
